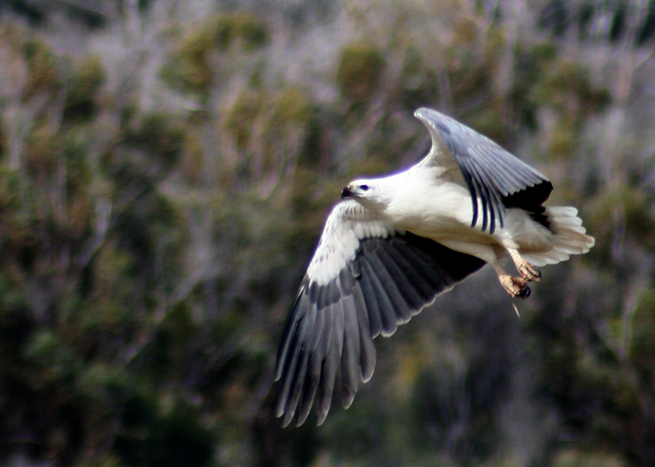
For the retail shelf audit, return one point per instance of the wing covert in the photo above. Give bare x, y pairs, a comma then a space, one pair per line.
495, 178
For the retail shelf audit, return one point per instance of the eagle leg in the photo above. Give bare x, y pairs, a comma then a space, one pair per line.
516, 287
527, 270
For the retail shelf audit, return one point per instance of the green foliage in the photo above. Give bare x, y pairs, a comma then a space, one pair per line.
191, 68
291, 106
160, 135
565, 86
242, 29
452, 416
42, 74
241, 116
291, 118
30, 64
624, 211
107, 308
82, 87
191, 161
358, 72
561, 85
579, 458
642, 345
467, 69
3, 143
418, 81
156, 438
56, 360
42, 151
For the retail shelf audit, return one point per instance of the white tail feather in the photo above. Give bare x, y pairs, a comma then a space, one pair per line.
569, 237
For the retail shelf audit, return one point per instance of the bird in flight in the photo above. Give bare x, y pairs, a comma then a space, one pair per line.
394, 243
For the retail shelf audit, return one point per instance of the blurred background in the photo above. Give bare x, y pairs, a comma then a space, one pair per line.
165, 170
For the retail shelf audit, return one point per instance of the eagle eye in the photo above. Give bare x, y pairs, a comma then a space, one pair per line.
364, 187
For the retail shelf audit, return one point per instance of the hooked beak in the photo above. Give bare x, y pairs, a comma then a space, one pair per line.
345, 193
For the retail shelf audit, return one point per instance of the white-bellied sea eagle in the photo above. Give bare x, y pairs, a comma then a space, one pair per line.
394, 243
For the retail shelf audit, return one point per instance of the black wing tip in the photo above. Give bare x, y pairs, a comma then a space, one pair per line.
531, 197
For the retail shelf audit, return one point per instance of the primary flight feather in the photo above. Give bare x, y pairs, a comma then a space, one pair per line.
394, 243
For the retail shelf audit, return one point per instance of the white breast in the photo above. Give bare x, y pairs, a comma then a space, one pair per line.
432, 209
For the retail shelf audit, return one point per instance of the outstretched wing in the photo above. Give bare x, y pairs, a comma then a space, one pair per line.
495, 178
365, 278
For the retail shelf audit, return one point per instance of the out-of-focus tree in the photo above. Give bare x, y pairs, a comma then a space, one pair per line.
165, 169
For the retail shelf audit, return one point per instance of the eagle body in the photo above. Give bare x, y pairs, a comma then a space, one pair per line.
394, 243
443, 211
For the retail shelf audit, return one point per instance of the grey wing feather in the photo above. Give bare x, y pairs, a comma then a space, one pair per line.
327, 346
494, 176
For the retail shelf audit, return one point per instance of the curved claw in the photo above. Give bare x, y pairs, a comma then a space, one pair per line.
524, 293
516, 287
